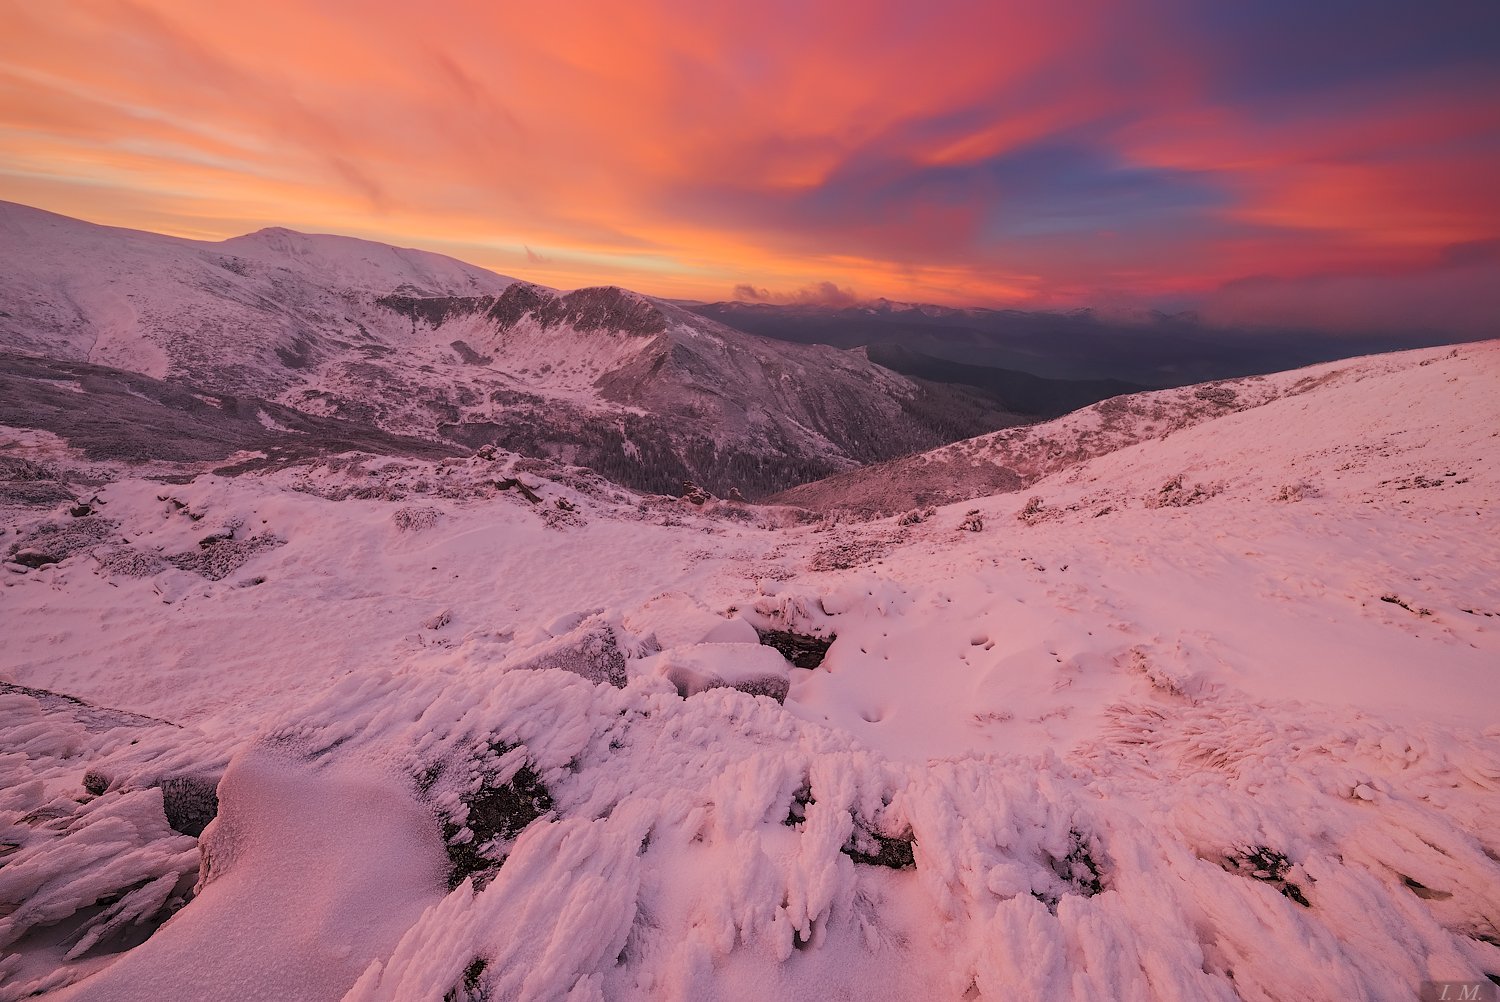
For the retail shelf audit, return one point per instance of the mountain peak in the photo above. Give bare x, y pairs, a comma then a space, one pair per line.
599, 308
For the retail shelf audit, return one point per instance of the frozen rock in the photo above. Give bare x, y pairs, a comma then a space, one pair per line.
731, 631
749, 667
679, 620
592, 650
569, 622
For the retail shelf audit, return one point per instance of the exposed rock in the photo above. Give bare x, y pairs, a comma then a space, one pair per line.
591, 650
694, 494
870, 847
190, 800
221, 555
750, 668
1272, 867
801, 649
88, 715
415, 519
509, 797
513, 483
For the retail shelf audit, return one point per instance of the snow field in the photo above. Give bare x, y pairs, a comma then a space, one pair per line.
1172, 751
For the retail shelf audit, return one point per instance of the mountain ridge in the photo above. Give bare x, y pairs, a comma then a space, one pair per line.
418, 345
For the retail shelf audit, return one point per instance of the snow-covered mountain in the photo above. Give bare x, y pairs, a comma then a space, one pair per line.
243, 315
421, 345
1199, 715
1014, 459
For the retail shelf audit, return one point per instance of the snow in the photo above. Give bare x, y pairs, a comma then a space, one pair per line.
1232, 738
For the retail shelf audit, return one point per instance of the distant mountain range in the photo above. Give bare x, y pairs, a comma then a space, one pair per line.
1147, 350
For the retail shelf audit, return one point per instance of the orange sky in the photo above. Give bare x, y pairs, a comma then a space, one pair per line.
970, 153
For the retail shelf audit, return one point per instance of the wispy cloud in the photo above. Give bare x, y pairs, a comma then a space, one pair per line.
975, 153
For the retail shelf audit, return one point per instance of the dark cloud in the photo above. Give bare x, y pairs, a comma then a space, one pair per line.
534, 258
817, 294
1272, 50
1459, 295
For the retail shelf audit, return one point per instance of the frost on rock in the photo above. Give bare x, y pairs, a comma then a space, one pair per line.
484, 802
415, 518
750, 668
219, 556
54, 542
590, 650
88, 873
1175, 493
127, 561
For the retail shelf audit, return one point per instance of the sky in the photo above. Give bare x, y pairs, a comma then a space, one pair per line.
1331, 163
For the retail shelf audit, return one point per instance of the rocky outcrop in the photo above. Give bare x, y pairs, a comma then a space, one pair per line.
590, 650
750, 668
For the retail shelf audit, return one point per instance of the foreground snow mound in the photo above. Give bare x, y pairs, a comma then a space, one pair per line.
717, 847
1205, 717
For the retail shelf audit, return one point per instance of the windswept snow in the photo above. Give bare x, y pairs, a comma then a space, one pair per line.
1199, 715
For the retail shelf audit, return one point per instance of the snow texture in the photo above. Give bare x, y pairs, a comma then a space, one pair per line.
1237, 744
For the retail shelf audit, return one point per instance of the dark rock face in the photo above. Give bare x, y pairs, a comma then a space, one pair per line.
497, 814
468, 354
605, 308
436, 310
801, 649
517, 301
90, 716
872, 848
690, 683
190, 802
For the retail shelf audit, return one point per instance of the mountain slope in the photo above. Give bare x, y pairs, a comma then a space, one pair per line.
243, 315
1226, 741
1013, 459
420, 345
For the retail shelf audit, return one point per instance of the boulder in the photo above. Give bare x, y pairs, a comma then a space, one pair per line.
591, 650
749, 667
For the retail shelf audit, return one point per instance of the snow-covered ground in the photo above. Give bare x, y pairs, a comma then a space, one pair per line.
1207, 716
